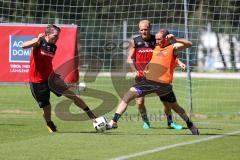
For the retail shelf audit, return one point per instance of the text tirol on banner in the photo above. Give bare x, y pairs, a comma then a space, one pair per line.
14, 60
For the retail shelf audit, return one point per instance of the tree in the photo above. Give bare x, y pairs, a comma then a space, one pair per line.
225, 23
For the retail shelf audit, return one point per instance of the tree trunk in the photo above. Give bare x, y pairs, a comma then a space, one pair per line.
232, 54
220, 52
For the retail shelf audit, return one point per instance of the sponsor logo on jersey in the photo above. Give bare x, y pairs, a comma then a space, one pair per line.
50, 54
145, 51
47, 49
139, 43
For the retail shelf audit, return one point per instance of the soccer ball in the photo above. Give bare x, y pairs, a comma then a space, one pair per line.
100, 124
82, 86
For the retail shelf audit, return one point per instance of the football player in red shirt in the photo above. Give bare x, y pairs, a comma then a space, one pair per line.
43, 51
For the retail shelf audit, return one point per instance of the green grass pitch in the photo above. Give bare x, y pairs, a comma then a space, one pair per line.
24, 136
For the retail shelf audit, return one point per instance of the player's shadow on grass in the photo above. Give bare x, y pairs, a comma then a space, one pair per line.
184, 128
104, 133
77, 132
144, 134
210, 128
201, 134
110, 133
11, 124
163, 134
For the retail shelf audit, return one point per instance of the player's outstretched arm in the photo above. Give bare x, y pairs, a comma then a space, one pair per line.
33, 42
181, 44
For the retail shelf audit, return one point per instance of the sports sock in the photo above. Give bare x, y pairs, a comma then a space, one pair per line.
189, 123
169, 119
89, 113
186, 119
144, 117
116, 117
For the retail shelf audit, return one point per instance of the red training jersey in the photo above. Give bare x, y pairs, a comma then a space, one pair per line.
143, 53
41, 61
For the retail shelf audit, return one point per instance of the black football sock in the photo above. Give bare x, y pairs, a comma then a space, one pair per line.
189, 123
89, 113
169, 119
116, 117
144, 117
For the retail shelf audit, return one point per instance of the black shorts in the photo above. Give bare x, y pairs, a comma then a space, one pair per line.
139, 79
170, 97
41, 91
146, 87
56, 84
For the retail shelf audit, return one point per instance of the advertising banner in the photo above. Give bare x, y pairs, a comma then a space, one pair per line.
14, 60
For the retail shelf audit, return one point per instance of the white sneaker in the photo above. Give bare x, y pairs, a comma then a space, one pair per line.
111, 125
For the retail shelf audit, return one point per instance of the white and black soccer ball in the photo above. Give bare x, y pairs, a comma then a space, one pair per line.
100, 124
82, 86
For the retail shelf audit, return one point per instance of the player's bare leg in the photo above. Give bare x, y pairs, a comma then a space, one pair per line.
47, 113
80, 103
181, 112
122, 106
143, 112
47, 116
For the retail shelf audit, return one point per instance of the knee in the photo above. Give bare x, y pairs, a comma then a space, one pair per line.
132, 89
130, 95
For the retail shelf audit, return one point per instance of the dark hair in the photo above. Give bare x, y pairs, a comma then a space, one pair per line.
50, 29
164, 32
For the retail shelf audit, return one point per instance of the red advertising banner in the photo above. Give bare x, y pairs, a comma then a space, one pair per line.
14, 60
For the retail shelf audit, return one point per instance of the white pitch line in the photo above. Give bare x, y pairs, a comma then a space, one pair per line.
158, 149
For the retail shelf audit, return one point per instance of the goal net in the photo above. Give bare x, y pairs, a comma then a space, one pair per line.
105, 27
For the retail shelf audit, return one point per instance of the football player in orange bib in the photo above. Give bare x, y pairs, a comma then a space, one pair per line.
140, 53
159, 76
